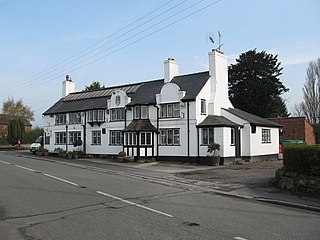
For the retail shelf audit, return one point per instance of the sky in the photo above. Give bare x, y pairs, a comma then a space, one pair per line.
121, 42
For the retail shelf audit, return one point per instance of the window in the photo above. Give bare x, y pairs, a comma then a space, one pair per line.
74, 136
203, 106
170, 136
96, 116
96, 138
140, 112
207, 136
131, 138
145, 138
74, 117
61, 119
136, 112
266, 136
232, 141
115, 137
170, 110
60, 137
47, 140
144, 112
117, 114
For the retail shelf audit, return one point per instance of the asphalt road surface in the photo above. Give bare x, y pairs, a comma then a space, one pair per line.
41, 200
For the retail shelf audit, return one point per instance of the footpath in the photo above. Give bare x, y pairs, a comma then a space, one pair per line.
246, 181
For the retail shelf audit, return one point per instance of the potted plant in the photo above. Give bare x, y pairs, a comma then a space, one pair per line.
214, 159
70, 154
45, 152
77, 143
40, 151
122, 156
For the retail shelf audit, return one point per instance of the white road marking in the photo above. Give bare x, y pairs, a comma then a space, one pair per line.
5, 162
239, 238
29, 169
60, 179
134, 204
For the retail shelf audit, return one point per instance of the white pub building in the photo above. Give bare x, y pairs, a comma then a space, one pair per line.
174, 118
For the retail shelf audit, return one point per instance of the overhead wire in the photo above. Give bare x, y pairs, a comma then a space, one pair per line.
133, 42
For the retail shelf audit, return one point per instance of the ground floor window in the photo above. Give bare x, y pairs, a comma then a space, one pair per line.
47, 140
73, 136
170, 136
60, 137
130, 138
207, 136
115, 137
96, 138
145, 138
266, 135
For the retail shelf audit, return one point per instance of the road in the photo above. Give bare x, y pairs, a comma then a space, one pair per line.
41, 200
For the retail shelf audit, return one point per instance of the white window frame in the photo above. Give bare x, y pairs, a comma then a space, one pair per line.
170, 110
232, 136
96, 137
203, 107
207, 136
116, 138
96, 115
60, 138
74, 118
61, 119
265, 135
74, 135
169, 137
117, 114
145, 138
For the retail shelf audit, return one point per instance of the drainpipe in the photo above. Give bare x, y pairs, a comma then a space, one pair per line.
85, 134
188, 130
157, 140
66, 137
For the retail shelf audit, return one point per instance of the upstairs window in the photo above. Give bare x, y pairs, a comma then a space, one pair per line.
140, 112
75, 118
117, 114
170, 110
61, 119
203, 106
96, 116
266, 135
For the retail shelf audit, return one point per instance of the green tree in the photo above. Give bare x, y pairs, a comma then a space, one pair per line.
254, 84
94, 86
17, 109
16, 130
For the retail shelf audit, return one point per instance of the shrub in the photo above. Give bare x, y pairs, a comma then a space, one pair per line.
302, 159
212, 147
122, 154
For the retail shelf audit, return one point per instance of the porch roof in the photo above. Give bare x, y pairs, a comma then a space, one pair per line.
216, 121
139, 125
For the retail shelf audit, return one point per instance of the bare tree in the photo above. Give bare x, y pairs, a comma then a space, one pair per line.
297, 110
12, 108
311, 93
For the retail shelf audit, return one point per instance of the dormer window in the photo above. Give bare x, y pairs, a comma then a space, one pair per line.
140, 112
170, 110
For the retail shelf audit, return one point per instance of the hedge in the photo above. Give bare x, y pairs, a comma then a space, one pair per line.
302, 159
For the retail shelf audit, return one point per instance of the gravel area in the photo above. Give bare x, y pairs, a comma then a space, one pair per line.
257, 174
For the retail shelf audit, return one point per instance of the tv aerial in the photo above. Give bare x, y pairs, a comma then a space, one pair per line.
210, 39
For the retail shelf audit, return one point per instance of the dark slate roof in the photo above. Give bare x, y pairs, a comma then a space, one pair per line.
138, 125
191, 83
217, 121
253, 119
140, 93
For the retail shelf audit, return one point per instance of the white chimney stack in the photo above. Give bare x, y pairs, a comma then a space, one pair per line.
171, 69
218, 70
68, 86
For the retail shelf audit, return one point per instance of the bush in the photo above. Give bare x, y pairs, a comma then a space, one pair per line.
122, 154
302, 159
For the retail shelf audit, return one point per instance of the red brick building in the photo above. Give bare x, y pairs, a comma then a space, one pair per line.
296, 128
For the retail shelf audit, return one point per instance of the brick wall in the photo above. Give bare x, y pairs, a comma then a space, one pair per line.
296, 128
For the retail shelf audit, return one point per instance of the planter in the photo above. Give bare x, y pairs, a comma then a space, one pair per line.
122, 159
214, 160
45, 153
